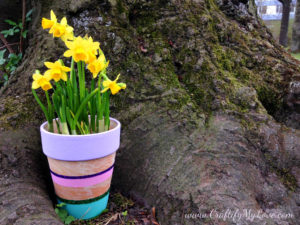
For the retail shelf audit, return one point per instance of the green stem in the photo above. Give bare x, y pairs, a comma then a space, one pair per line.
99, 114
81, 82
82, 105
92, 108
71, 72
64, 128
41, 105
50, 112
106, 119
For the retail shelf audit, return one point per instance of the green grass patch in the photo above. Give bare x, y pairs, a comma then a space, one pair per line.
296, 55
274, 26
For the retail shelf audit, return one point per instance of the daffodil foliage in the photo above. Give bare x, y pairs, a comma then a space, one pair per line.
75, 108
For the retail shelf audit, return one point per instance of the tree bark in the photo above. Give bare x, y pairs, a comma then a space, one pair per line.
283, 36
295, 45
204, 117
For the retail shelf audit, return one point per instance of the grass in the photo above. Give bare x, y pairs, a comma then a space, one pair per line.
274, 26
296, 55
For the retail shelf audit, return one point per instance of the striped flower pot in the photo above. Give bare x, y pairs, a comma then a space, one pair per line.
81, 168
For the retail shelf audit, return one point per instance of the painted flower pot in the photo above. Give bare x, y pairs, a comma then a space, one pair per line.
81, 168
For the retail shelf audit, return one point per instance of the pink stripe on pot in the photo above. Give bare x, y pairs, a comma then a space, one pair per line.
84, 182
81, 147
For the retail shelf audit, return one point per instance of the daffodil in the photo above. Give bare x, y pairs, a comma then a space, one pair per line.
77, 49
92, 45
113, 86
41, 81
92, 49
48, 24
62, 30
82, 49
97, 65
57, 71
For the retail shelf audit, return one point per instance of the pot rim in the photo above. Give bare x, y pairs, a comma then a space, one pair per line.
42, 128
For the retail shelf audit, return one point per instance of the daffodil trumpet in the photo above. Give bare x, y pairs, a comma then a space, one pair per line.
75, 106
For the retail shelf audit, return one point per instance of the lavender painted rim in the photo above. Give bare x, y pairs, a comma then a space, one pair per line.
81, 147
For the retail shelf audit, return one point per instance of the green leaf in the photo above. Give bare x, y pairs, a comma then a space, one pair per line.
105, 211
20, 25
12, 55
62, 214
2, 59
124, 213
28, 14
24, 34
60, 205
69, 219
4, 32
2, 53
12, 69
5, 76
11, 32
10, 22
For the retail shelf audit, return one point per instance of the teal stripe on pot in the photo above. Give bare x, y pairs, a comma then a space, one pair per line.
86, 210
83, 201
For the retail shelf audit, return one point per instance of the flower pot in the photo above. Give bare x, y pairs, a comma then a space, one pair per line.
81, 168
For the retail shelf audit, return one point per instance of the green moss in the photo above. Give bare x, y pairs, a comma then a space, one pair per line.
15, 114
121, 202
289, 180
120, 7
270, 99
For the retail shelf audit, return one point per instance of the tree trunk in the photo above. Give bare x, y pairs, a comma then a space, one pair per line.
209, 91
295, 45
283, 36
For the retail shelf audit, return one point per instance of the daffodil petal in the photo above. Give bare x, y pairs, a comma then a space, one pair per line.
66, 69
117, 78
69, 29
69, 44
63, 21
47, 75
35, 85
36, 76
46, 24
122, 85
64, 76
106, 83
104, 90
115, 89
49, 64
95, 75
52, 16
68, 53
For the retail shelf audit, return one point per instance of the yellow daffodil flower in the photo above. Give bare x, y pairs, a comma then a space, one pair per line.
62, 30
93, 45
77, 49
97, 65
48, 24
57, 71
82, 49
113, 86
41, 81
